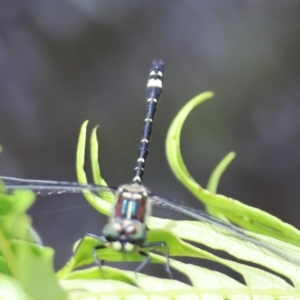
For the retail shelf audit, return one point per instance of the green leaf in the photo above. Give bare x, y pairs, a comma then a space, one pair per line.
218, 171
96, 273
4, 269
10, 288
98, 203
105, 195
178, 234
236, 245
214, 181
14, 224
221, 206
94, 159
206, 284
30, 265
204, 281
36, 271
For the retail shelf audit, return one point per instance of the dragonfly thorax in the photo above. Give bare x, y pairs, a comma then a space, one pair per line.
132, 203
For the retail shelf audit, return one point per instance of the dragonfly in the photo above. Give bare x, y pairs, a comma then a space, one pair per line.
46, 188
126, 229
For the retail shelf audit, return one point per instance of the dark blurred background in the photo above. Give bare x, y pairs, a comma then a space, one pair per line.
62, 62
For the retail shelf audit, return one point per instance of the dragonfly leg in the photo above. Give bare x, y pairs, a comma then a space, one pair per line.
94, 250
144, 262
98, 262
155, 245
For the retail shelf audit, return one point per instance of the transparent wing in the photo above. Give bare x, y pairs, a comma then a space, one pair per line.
45, 188
236, 233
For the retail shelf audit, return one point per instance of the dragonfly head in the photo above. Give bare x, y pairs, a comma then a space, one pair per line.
125, 234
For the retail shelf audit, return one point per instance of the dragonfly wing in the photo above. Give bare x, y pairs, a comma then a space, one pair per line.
236, 233
44, 188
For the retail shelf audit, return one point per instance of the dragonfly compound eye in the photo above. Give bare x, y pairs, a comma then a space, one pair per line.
112, 230
136, 232
130, 230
